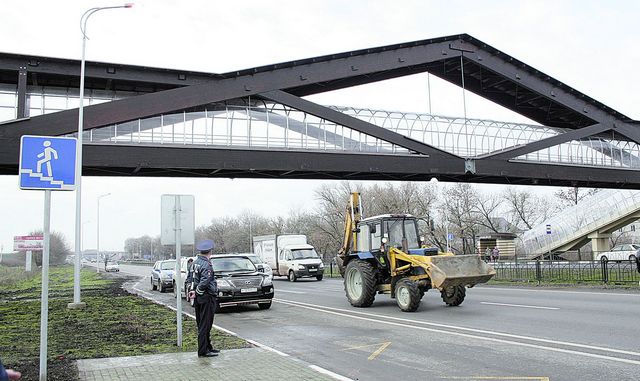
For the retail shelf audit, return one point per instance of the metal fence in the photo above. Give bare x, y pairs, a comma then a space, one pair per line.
563, 271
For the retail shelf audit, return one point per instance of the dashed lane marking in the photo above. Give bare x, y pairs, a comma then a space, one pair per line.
148, 295
520, 305
505, 378
386, 321
291, 291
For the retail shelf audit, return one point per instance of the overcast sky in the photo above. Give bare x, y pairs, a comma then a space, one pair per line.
589, 45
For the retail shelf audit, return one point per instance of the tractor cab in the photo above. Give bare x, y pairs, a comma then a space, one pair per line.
389, 230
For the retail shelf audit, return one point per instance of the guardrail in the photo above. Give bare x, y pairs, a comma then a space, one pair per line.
616, 272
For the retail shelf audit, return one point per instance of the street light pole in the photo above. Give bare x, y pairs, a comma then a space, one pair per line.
78, 233
98, 233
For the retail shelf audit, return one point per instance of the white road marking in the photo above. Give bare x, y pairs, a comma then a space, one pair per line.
257, 344
290, 291
329, 373
538, 290
353, 314
520, 305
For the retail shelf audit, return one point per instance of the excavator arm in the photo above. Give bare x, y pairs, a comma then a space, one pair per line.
352, 216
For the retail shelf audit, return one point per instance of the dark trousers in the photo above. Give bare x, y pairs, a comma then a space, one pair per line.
205, 308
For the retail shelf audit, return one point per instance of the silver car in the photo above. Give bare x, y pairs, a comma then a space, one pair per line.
620, 253
162, 275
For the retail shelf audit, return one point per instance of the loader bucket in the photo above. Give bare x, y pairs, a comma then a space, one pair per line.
459, 270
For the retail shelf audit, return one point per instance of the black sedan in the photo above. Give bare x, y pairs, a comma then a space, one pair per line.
240, 282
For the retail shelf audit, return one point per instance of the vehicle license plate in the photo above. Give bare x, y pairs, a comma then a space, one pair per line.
313, 269
252, 289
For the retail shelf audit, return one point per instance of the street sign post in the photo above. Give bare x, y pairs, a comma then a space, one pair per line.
46, 163
28, 243
177, 224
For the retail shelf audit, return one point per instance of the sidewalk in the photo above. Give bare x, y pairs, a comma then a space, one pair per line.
232, 365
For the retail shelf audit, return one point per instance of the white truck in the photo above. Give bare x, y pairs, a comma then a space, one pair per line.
289, 255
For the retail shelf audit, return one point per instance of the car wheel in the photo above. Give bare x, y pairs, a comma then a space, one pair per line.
161, 285
175, 290
292, 276
632, 258
153, 285
319, 277
264, 306
604, 258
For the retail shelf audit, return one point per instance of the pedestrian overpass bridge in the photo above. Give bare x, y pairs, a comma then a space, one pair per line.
592, 219
257, 123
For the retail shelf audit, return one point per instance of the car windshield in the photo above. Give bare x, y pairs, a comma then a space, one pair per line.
254, 258
169, 265
304, 254
232, 264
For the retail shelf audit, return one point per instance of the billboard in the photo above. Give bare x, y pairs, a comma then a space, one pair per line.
28, 243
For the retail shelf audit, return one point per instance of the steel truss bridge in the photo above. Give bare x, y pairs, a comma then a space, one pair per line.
256, 123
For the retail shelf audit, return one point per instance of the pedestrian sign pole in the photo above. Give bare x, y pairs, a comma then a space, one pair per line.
46, 163
177, 225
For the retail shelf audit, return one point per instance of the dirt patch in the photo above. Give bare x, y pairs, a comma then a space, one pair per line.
115, 323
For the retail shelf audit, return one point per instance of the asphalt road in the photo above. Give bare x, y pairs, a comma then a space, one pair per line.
498, 333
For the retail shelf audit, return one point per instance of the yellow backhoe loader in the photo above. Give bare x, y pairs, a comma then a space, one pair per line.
383, 255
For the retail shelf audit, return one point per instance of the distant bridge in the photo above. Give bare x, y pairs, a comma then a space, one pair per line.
255, 123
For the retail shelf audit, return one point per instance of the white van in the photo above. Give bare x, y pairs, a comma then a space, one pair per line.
289, 255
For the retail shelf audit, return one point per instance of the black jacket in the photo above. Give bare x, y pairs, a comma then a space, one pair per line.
203, 276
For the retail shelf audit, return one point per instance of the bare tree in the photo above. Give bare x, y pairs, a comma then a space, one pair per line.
572, 196
58, 248
487, 210
525, 209
458, 208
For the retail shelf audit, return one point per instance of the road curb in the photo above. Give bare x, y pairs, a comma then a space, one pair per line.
147, 295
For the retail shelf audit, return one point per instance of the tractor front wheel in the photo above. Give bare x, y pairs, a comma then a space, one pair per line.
408, 295
454, 296
360, 281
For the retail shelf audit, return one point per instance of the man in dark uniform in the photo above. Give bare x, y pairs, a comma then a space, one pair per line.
205, 293
8, 374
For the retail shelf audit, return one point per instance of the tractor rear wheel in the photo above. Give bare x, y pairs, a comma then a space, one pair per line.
454, 296
408, 295
360, 281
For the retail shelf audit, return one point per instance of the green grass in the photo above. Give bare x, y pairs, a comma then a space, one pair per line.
114, 323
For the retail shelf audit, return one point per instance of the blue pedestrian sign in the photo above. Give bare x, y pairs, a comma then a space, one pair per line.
450, 236
47, 163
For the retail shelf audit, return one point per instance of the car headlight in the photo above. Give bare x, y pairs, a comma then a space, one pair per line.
300, 267
321, 266
267, 280
223, 283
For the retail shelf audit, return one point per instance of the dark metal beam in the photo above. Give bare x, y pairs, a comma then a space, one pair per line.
22, 92
250, 83
355, 123
548, 142
631, 131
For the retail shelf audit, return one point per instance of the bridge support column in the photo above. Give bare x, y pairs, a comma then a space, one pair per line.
599, 242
